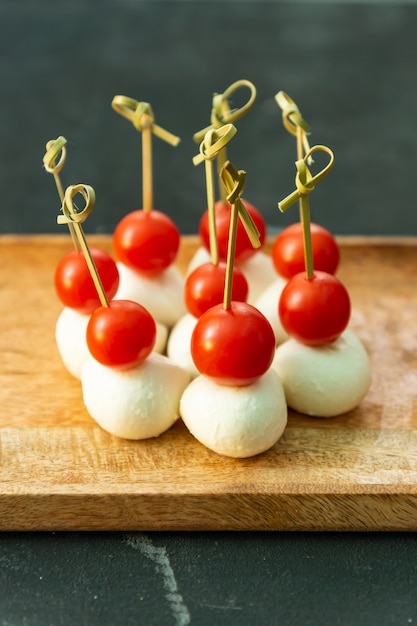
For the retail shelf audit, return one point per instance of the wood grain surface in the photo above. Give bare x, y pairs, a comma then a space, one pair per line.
60, 471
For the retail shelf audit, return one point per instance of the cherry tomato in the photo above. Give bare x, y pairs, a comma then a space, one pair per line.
244, 248
146, 241
121, 335
288, 250
233, 346
204, 287
74, 284
314, 310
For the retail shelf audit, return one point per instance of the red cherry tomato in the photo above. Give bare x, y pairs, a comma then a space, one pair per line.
314, 310
233, 346
288, 250
204, 287
244, 248
74, 284
121, 335
146, 241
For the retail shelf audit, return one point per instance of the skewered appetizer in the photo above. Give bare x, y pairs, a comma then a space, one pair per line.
288, 248
72, 279
324, 368
204, 285
130, 391
146, 241
236, 406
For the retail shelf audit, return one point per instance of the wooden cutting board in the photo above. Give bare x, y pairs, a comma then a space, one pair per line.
60, 471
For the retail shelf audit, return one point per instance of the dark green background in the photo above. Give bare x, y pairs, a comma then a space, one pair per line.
351, 68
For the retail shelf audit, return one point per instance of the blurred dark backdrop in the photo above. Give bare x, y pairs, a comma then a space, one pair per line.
350, 67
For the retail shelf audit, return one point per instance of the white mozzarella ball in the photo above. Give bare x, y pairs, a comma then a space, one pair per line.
259, 272
179, 344
161, 338
136, 403
235, 421
71, 340
324, 381
162, 295
200, 257
267, 303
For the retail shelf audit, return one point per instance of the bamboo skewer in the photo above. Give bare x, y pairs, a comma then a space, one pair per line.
142, 118
233, 181
305, 182
55, 149
213, 143
73, 217
222, 114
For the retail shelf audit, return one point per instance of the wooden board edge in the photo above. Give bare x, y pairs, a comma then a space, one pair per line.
345, 512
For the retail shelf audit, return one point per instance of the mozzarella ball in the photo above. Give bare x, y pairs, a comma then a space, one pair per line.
258, 270
267, 303
136, 403
162, 295
71, 340
235, 421
324, 381
200, 257
179, 344
161, 338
